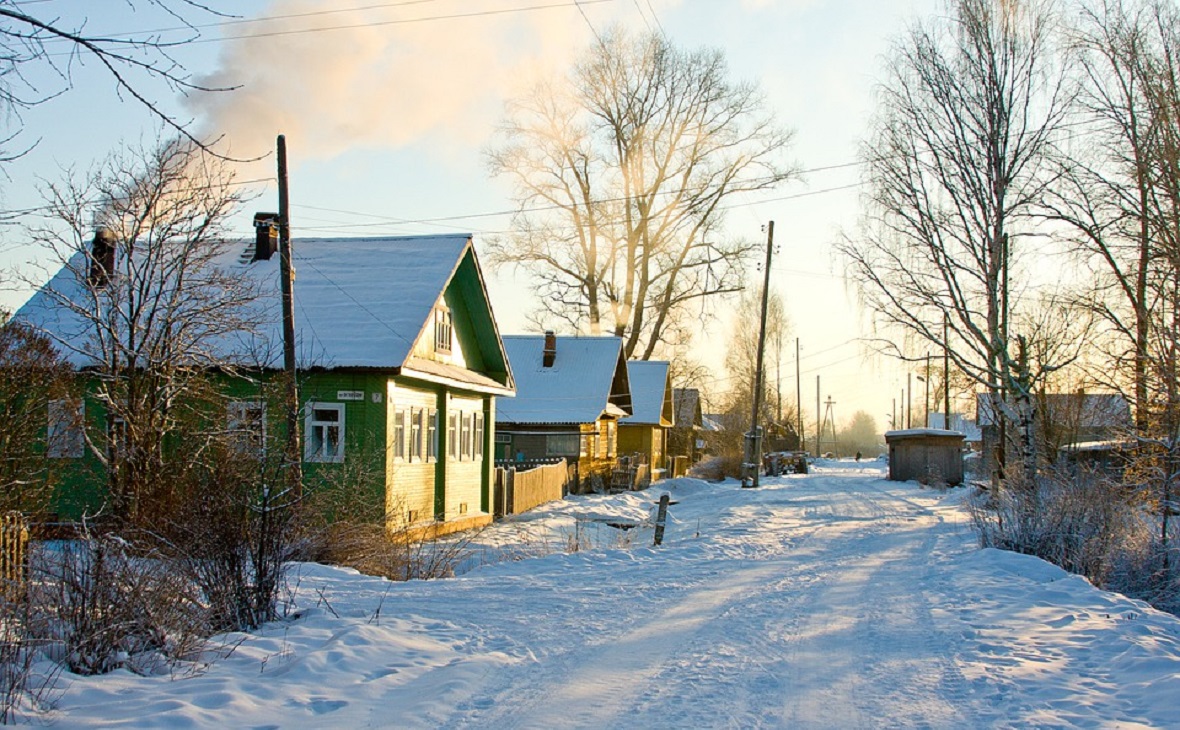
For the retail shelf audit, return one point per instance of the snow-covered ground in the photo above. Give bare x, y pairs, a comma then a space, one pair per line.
834, 600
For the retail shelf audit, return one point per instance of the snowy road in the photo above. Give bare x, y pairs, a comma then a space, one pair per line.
834, 600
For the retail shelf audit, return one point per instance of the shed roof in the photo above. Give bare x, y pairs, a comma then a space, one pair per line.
588, 378
359, 302
651, 393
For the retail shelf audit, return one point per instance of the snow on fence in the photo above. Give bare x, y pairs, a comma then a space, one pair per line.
14, 541
520, 490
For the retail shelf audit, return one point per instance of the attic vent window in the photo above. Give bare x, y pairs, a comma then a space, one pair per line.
442, 330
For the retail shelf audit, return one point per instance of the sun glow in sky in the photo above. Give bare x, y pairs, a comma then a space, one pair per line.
388, 111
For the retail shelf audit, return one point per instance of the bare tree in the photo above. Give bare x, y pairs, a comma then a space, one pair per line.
143, 304
1105, 191
741, 359
956, 158
57, 43
621, 173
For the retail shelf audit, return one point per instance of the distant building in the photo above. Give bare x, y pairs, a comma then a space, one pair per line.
570, 394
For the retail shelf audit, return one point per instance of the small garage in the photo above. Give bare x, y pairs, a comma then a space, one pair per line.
927, 455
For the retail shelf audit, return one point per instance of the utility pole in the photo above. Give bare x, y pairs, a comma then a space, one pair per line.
946, 370
754, 438
799, 399
909, 401
294, 461
927, 417
819, 424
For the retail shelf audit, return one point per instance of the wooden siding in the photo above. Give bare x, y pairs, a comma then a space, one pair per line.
410, 481
464, 476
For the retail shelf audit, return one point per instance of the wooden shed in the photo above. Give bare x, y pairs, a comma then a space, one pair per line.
928, 455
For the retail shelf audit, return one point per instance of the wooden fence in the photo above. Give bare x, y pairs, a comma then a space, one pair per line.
14, 543
520, 490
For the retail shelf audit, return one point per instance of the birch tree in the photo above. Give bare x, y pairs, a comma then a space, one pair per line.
622, 171
956, 158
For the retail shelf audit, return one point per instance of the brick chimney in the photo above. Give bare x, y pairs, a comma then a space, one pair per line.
549, 354
266, 236
102, 258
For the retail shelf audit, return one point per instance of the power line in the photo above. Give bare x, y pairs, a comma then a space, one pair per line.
129, 37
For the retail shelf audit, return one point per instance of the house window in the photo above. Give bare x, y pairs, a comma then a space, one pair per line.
453, 434
324, 426
465, 439
432, 435
477, 436
246, 424
612, 438
584, 445
116, 437
442, 330
561, 444
415, 434
399, 434
65, 438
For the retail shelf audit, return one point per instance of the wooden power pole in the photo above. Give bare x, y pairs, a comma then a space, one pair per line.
292, 455
754, 438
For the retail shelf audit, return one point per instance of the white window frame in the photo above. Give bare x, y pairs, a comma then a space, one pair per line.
241, 426
478, 436
444, 330
465, 437
399, 434
65, 435
432, 435
315, 453
453, 435
415, 451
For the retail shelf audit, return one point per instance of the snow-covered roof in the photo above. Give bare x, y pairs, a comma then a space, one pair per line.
588, 378
1081, 410
912, 432
1107, 445
359, 302
650, 394
966, 426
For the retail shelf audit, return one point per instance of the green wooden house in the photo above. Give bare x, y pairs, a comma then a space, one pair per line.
400, 364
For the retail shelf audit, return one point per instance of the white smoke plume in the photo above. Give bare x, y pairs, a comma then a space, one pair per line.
366, 78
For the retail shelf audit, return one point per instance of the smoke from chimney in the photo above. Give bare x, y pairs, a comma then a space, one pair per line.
373, 80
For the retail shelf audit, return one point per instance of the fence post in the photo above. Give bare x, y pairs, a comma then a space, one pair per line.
14, 539
661, 518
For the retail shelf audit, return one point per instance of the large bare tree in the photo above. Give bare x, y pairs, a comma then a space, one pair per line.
1108, 187
956, 157
149, 298
622, 171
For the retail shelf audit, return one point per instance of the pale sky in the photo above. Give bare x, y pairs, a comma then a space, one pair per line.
387, 112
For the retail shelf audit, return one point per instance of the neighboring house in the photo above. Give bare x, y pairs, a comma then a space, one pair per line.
966, 426
570, 394
1062, 419
645, 431
685, 437
400, 364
